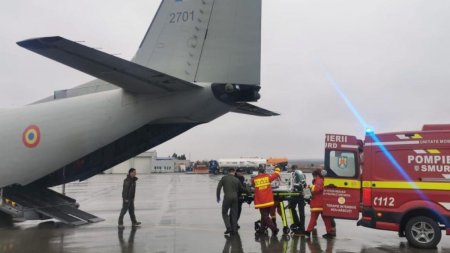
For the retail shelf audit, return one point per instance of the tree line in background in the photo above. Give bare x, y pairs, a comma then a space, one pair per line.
179, 157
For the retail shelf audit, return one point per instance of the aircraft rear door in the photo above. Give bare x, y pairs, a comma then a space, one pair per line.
342, 185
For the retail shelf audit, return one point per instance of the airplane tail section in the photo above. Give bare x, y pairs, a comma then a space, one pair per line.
211, 41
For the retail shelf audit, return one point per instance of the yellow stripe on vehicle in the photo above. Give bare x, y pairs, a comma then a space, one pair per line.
367, 184
407, 185
433, 151
343, 183
416, 136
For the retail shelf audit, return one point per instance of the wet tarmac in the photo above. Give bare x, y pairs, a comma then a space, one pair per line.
179, 214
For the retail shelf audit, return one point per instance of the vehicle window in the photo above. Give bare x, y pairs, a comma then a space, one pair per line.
343, 163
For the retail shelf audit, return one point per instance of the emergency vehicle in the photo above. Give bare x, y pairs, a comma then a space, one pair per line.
396, 181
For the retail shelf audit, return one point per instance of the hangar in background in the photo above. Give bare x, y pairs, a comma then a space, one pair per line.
148, 162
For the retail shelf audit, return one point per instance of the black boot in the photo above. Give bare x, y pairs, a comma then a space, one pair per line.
274, 220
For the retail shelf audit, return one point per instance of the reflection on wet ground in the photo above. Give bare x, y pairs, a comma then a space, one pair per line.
281, 244
38, 238
127, 246
179, 214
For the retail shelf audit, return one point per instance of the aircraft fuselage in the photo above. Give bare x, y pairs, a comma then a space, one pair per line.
71, 128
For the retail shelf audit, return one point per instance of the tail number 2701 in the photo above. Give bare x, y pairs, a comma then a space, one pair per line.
181, 16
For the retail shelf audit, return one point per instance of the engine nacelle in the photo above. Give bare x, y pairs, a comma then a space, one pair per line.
231, 93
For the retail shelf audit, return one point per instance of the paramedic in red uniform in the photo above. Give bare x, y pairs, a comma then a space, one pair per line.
264, 198
317, 206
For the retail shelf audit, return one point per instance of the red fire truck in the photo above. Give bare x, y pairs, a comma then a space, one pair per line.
396, 181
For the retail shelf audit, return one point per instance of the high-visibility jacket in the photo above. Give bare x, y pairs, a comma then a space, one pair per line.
263, 190
317, 195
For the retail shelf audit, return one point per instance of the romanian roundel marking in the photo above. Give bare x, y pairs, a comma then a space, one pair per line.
31, 136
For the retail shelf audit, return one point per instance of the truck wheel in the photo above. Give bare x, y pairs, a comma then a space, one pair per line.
423, 232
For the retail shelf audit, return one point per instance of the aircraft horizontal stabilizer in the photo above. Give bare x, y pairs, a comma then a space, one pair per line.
250, 109
127, 75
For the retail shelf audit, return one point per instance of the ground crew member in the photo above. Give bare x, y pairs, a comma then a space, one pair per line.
240, 175
128, 193
231, 187
317, 206
298, 183
264, 198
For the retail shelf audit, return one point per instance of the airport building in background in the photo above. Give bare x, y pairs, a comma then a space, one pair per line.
148, 162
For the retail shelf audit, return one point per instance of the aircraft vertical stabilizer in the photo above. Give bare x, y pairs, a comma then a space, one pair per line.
205, 41
231, 51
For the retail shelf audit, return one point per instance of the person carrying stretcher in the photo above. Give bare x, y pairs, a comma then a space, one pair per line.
263, 198
298, 184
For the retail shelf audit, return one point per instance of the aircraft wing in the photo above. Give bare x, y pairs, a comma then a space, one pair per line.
125, 74
250, 109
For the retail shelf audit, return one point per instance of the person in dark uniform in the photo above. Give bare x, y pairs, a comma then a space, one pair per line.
240, 175
128, 193
298, 184
231, 187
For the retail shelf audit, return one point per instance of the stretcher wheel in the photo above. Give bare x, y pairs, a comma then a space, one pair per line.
286, 237
286, 230
257, 225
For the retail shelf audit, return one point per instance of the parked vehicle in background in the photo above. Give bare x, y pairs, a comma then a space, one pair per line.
200, 167
249, 164
280, 162
213, 167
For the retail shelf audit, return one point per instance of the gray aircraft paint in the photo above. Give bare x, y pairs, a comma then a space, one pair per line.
182, 50
225, 59
71, 128
96, 114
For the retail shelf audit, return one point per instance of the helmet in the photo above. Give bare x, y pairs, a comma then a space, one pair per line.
277, 169
299, 177
261, 170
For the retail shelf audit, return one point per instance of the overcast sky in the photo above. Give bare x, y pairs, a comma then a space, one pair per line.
391, 58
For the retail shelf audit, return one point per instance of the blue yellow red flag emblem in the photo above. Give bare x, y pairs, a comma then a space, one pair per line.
31, 136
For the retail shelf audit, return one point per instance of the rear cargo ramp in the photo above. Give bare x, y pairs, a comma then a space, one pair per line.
48, 204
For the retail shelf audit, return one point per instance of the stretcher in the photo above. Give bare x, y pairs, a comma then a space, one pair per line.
280, 195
